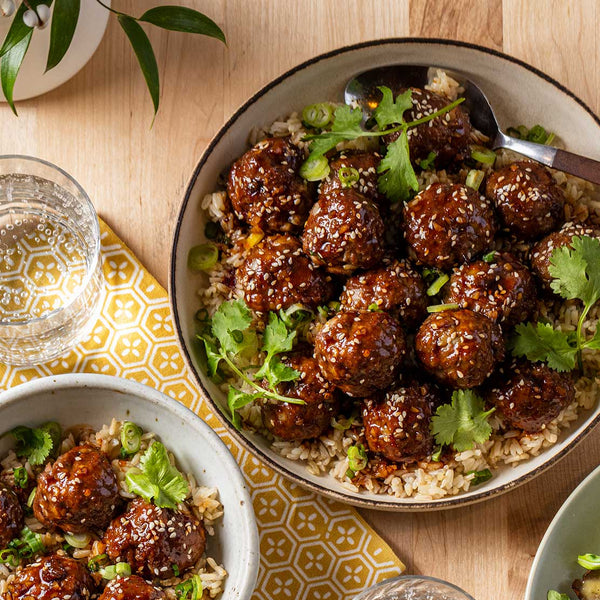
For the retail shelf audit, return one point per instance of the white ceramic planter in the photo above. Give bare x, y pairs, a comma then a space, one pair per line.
32, 80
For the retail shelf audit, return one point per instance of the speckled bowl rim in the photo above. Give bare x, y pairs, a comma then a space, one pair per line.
383, 504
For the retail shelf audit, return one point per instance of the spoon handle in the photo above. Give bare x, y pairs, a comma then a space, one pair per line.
581, 166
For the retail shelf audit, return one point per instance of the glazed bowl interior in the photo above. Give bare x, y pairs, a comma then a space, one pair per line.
519, 95
95, 399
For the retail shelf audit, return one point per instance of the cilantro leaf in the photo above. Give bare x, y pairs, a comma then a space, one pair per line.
346, 126
213, 357
398, 177
34, 444
276, 339
576, 270
236, 399
541, 342
229, 322
157, 479
427, 163
480, 477
463, 423
389, 112
594, 342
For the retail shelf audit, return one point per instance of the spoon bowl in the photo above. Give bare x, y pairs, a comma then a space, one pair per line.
362, 91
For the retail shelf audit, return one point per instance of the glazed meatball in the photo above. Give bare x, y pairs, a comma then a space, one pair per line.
131, 588
302, 421
11, 515
530, 395
528, 200
447, 135
277, 274
344, 232
265, 189
360, 351
460, 348
78, 492
51, 578
397, 426
395, 288
365, 163
542, 251
503, 290
447, 224
153, 540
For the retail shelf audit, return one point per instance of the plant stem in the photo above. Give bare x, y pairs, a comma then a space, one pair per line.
258, 388
112, 10
580, 335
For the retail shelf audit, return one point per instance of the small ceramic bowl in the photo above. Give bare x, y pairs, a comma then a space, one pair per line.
574, 530
96, 399
519, 94
413, 587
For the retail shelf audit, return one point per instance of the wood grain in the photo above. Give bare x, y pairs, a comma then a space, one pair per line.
97, 127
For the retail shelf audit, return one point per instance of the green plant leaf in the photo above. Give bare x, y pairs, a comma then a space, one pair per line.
181, 18
9, 67
64, 21
145, 55
18, 30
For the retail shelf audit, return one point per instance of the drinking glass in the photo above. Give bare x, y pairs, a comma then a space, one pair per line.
413, 587
51, 284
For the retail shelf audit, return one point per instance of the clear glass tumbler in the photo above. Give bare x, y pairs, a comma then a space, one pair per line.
413, 587
51, 283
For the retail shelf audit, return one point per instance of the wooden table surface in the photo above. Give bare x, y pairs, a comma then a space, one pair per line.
97, 128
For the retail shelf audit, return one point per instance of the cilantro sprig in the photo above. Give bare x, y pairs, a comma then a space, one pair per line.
576, 276
463, 423
230, 338
397, 175
36, 443
157, 480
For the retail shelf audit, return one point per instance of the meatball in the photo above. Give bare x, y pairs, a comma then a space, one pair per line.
131, 588
153, 540
528, 200
302, 421
395, 288
360, 351
78, 492
530, 395
277, 274
503, 290
447, 224
51, 578
542, 251
265, 189
460, 348
397, 426
447, 135
344, 232
11, 515
365, 163
588, 587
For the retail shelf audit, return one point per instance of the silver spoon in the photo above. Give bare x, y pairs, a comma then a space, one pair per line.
362, 91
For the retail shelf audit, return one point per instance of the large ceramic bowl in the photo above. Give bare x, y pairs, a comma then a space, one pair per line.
96, 399
574, 530
518, 92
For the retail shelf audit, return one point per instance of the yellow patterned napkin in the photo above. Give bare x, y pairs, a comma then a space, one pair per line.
311, 548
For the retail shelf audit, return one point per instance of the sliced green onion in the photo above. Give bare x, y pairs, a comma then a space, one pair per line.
190, 589
436, 308
342, 424
490, 257
550, 138
123, 569
175, 569
29, 543
437, 285
483, 155
474, 179
317, 115
31, 497
21, 476
10, 556
78, 540
480, 477
323, 311
314, 168
514, 132
437, 455
357, 458
109, 572
591, 562
54, 430
428, 162
202, 315
537, 134
554, 595
374, 307
334, 305
131, 438
203, 257
295, 315
348, 176
212, 230
93, 565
